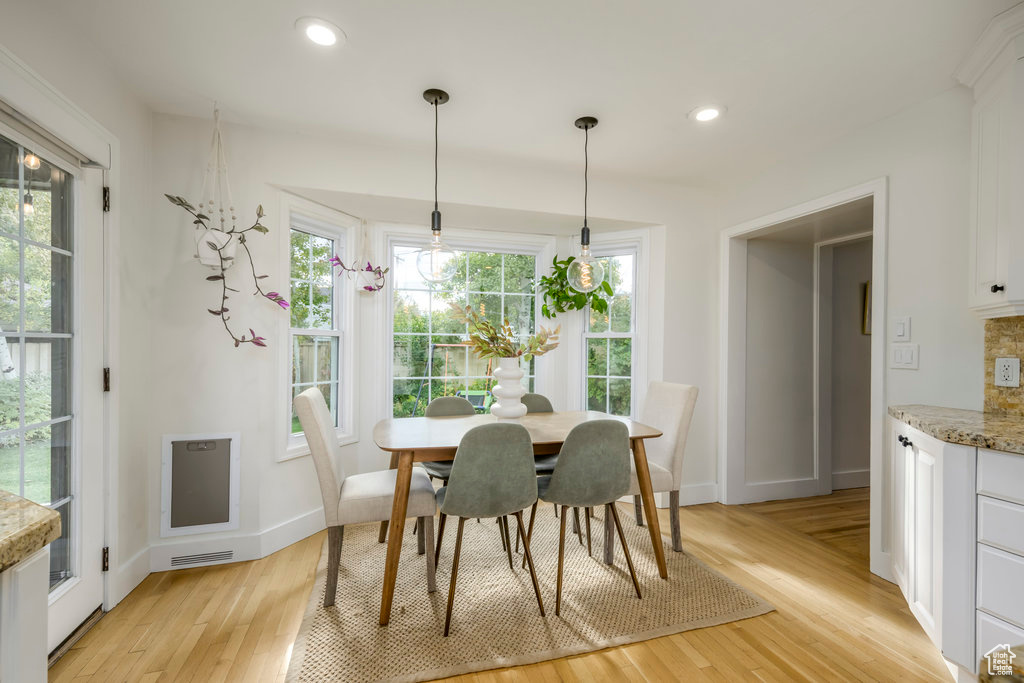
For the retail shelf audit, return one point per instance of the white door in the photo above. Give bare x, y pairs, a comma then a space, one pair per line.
51, 362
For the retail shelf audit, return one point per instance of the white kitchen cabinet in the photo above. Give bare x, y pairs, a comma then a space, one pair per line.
23, 595
932, 536
995, 73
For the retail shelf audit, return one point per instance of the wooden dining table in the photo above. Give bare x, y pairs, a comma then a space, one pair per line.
431, 439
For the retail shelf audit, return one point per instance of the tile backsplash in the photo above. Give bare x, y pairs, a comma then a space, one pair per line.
1004, 338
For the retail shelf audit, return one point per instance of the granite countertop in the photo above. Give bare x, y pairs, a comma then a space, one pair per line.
968, 427
25, 527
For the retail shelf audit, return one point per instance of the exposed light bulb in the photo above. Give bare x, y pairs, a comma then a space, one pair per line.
585, 273
436, 263
26, 205
31, 161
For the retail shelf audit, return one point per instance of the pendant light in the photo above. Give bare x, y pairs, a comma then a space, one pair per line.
585, 273
31, 163
436, 263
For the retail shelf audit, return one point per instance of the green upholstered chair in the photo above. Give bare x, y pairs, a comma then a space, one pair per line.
537, 403
445, 406
492, 476
592, 470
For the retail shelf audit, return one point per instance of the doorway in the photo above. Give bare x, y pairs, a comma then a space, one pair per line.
778, 414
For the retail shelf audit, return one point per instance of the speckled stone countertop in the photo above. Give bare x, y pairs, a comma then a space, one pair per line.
968, 427
25, 527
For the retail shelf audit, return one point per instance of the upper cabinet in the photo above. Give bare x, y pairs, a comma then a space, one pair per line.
995, 72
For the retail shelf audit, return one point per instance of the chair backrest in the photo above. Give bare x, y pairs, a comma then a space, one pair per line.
318, 426
446, 406
593, 465
537, 403
669, 407
493, 472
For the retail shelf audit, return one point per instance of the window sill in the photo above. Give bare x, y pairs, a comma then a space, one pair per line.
301, 448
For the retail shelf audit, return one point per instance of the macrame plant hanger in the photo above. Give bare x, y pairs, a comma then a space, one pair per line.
216, 202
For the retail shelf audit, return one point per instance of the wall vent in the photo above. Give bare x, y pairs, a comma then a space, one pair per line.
202, 558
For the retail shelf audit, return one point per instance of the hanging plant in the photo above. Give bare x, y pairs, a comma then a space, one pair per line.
201, 221
559, 296
368, 279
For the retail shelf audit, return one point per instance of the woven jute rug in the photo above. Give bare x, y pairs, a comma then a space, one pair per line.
496, 621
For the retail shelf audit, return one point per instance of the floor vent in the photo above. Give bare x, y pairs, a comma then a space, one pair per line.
202, 558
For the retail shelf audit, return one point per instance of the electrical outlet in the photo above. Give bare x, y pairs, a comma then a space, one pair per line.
1007, 372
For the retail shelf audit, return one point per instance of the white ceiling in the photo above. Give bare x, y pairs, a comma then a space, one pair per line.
793, 73
837, 222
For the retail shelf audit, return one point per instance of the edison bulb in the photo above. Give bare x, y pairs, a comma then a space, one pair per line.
31, 161
585, 272
26, 205
436, 263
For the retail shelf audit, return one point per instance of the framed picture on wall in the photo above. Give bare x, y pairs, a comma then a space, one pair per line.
865, 318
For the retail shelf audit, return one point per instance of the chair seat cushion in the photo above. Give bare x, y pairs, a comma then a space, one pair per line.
542, 486
661, 478
368, 497
438, 470
545, 464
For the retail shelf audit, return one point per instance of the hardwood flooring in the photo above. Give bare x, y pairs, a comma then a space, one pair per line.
808, 557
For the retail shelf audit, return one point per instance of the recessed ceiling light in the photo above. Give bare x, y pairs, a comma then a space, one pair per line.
320, 31
707, 113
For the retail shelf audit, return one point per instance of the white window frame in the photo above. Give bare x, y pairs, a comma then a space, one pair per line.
637, 244
541, 247
302, 214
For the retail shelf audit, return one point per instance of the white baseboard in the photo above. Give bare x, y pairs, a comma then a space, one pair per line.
851, 479
881, 565
295, 529
125, 577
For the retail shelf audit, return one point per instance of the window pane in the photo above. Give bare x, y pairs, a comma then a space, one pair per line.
450, 356
598, 322
321, 312
47, 463
410, 356
597, 393
597, 356
10, 291
49, 222
404, 272
411, 310
519, 270
10, 460
484, 271
9, 211
405, 394
446, 387
47, 379
621, 313
300, 255
620, 357
330, 392
296, 426
619, 399
60, 549
320, 267
314, 359
488, 306
10, 386
300, 304
519, 312
47, 290
442, 318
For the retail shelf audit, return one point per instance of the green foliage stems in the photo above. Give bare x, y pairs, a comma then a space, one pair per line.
560, 297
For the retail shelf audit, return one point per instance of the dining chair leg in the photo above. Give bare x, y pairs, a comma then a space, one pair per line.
576, 524
440, 536
501, 534
609, 535
590, 513
455, 573
416, 529
625, 551
529, 532
420, 537
586, 516
561, 554
508, 540
427, 524
638, 508
673, 511
529, 559
334, 538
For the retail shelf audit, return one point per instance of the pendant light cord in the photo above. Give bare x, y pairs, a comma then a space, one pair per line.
586, 172
435, 155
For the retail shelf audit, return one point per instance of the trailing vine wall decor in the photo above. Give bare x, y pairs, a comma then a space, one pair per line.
560, 297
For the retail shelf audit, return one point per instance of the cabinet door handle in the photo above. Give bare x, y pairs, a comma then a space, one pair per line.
997, 288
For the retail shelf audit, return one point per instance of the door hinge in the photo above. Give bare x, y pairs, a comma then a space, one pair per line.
106, 379
106, 199
106, 559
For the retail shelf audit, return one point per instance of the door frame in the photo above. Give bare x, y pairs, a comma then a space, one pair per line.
732, 352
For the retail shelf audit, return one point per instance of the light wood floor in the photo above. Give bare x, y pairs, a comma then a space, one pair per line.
808, 557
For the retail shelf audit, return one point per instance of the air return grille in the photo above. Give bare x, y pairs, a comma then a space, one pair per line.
202, 558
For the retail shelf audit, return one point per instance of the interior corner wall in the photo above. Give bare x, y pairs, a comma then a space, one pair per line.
70, 65
924, 151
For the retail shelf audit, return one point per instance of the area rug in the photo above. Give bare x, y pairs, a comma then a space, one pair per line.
496, 622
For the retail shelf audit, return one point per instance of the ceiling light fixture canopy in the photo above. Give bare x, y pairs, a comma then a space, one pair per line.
585, 273
707, 113
436, 263
321, 31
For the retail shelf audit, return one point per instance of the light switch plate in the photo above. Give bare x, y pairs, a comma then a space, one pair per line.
1007, 372
901, 329
904, 356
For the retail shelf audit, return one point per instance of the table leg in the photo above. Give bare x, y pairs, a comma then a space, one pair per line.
383, 533
397, 524
643, 476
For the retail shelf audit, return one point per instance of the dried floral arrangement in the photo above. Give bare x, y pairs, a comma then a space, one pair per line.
500, 341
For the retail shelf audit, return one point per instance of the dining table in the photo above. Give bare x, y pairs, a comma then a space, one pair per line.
430, 439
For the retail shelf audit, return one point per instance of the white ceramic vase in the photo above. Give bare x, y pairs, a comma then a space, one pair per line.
509, 390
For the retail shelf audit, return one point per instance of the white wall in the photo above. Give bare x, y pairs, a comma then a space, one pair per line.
925, 153
851, 361
780, 368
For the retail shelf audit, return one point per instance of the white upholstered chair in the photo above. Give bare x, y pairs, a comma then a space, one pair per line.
361, 497
668, 407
